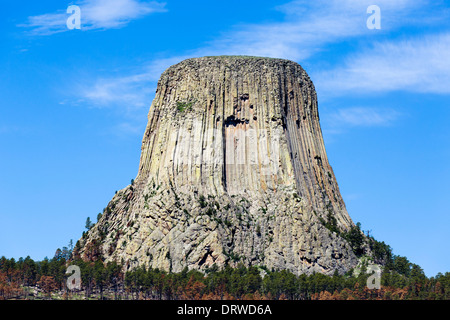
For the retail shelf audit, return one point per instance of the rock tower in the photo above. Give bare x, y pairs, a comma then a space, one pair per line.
233, 170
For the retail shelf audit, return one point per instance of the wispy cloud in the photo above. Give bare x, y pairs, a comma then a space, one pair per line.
418, 64
309, 26
128, 94
361, 117
421, 64
130, 91
344, 120
95, 14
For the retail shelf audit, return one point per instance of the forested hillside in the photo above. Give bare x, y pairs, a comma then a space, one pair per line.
46, 279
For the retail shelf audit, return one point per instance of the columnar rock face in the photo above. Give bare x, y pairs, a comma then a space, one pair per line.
233, 170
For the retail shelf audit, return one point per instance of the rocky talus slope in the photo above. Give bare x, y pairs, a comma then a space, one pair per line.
233, 170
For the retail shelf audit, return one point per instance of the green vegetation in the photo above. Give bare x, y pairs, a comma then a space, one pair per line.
46, 279
355, 238
330, 223
400, 279
258, 230
381, 253
88, 225
202, 201
183, 106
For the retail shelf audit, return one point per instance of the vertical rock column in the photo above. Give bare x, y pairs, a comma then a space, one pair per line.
233, 169
227, 125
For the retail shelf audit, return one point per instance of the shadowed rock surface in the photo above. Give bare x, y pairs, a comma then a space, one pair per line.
233, 170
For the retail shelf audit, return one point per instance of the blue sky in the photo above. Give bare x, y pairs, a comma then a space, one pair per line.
73, 106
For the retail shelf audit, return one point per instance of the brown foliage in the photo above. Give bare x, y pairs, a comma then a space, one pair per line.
384, 293
192, 290
93, 251
48, 285
9, 288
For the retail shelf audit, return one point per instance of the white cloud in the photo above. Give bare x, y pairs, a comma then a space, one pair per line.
309, 26
95, 14
343, 120
46, 24
421, 64
101, 14
131, 91
127, 89
129, 94
361, 117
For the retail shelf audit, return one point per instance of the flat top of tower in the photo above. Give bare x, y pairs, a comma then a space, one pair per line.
234, 61
238, 57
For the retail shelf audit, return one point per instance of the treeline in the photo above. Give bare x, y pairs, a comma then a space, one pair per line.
27, 279
47, 279
261, 284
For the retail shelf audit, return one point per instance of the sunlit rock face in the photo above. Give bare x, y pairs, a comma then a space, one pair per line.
233, 170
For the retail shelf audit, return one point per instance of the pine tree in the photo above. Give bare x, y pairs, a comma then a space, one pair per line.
88, 224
